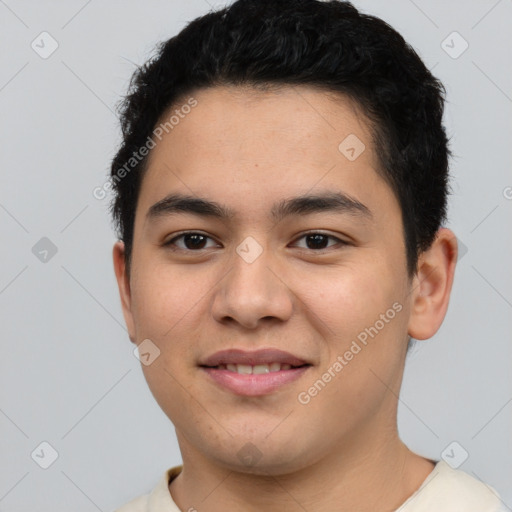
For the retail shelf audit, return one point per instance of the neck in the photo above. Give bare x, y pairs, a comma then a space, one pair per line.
380, 477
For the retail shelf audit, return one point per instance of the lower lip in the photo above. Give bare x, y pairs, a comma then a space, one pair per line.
254, 384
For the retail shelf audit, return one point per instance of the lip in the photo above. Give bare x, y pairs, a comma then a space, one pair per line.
261, 356
254, 384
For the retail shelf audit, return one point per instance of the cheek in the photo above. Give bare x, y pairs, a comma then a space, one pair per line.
346, 300
360, 317
362, 349
162, 297
169, 307
167, 387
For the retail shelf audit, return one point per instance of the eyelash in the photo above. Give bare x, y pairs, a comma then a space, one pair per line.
172, 241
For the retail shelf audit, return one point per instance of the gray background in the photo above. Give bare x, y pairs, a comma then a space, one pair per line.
68, 373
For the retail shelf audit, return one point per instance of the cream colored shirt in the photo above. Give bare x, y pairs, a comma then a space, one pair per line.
444, 490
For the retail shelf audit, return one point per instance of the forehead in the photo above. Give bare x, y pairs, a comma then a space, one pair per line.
249, 146
288, 119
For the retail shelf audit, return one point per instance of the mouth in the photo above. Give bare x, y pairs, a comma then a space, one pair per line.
258, 359
253, 373
257, 369
254, 380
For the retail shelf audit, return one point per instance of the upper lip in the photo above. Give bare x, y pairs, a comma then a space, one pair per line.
262, 356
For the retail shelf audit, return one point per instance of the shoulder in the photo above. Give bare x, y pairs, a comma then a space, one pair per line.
139, 504
452, 490
158, 500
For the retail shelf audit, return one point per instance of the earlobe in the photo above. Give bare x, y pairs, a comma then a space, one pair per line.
123, 283
432, 285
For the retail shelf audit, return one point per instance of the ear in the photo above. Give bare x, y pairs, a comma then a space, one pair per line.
432, 285
123, 283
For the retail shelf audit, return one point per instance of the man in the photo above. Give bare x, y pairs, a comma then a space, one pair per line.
280, 194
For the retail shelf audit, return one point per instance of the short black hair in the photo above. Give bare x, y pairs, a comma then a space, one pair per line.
325, 44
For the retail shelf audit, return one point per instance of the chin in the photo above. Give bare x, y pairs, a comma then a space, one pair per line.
262, 457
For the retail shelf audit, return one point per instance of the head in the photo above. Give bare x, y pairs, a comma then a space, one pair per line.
308, 141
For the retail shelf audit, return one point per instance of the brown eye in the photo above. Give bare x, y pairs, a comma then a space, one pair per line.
318, 241
192, 241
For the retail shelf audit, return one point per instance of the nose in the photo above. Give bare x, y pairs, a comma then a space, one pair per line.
252, 292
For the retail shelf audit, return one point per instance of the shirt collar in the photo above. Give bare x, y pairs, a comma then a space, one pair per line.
160, 499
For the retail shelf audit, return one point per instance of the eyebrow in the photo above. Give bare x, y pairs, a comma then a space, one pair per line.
329, 202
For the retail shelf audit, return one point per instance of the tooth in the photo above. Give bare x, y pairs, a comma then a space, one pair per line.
244, 368
248, 369
261, 368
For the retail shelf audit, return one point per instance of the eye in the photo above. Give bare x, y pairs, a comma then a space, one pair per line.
195, 241
192, 240
316, 240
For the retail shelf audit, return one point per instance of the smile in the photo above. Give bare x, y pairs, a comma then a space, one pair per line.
247, 369
248, 380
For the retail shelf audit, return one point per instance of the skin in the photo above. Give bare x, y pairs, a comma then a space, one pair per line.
248, 149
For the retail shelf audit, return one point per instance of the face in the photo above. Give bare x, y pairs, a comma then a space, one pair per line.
325, 283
